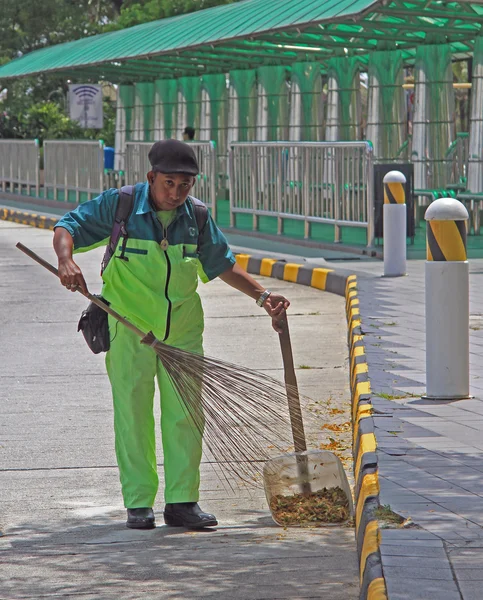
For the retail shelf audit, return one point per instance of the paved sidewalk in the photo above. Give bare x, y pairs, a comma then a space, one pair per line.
430, 453
62, 531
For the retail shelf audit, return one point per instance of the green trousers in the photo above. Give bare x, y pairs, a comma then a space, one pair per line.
132, 368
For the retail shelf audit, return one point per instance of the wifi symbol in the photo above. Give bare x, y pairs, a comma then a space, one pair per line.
86, 92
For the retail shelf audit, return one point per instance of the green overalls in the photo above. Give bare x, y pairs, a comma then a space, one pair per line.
156, 290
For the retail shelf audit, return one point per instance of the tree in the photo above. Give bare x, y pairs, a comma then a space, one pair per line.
28, 25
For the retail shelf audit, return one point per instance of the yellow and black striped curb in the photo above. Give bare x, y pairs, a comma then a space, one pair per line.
366, 474
316, 277
366, 492
27, 218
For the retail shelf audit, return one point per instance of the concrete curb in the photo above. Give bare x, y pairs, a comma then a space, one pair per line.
27, 218
368, 537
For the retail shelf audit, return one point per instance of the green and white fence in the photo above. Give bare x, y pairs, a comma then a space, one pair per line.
20, 166
73, 169
316, 182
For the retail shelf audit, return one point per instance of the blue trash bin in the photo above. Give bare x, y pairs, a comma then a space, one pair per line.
108, 158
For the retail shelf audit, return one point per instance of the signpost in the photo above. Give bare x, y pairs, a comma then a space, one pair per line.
85, 103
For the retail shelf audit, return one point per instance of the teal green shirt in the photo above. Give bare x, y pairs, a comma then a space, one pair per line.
155, 288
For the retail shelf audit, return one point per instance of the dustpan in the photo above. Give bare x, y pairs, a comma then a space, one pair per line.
306, 487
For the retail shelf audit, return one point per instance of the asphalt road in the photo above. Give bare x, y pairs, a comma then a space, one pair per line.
62, 532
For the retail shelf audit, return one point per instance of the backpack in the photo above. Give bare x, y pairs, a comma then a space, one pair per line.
93, 321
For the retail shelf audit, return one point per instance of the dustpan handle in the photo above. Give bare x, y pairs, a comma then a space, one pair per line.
295, 411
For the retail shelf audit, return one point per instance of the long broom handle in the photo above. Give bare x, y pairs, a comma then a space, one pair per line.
89, 296
294, 408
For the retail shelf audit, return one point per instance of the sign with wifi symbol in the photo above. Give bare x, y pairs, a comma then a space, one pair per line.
85, 105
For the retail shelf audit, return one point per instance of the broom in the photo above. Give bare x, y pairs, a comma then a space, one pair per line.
242, 414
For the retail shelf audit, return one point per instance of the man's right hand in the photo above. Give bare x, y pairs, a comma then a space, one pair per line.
71, 276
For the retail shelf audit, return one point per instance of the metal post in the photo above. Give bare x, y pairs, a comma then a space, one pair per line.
231, 186
89, 184
77, 192
46, 156
369, 155
12, 160
306, 191
101, 166
281, 187
447, 301
255, 165
213, 174
3, 164
339, 194
66, 162
394, 224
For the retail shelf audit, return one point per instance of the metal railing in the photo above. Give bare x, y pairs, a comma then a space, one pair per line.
73, 165
457, 159
20, 165
437, 173
316, 182
137, 165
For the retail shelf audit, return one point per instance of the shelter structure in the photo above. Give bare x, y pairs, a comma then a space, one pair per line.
310, 70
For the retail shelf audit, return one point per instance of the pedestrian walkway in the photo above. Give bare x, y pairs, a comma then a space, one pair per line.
62, 532
430, 453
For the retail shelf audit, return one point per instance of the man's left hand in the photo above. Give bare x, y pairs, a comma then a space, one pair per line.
276, 305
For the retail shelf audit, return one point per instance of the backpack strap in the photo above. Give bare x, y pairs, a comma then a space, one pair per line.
201, 216
123, 212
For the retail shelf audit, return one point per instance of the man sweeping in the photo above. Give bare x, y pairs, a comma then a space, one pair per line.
169, 241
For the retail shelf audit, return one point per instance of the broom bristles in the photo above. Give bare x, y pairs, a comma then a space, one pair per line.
242, 415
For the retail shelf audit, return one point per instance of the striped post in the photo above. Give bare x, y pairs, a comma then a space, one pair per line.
394, 224
447, 301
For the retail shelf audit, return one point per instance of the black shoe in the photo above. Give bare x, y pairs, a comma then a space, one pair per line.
188, 514
140, 518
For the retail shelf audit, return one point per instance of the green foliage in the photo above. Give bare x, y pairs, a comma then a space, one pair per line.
107, 133
35, 107
41, 121
47, 120
27, 25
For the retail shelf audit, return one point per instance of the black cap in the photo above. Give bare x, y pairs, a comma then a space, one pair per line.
173, 156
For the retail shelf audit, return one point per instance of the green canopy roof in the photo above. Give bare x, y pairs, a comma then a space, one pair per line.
257, 32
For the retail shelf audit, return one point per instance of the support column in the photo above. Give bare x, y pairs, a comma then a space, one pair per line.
215, 86
433, 121
272, 113
165, 108
242, 108
386, 119
306, 102
475, 160
344, 100
124, 110
189, 104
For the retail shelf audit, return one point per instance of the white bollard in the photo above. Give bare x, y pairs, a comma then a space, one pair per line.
447, 301
394, 224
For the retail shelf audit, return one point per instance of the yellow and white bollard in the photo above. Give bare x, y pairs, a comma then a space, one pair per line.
447, 301
394, 224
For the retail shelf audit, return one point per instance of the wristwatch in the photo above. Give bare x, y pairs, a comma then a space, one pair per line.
263, 296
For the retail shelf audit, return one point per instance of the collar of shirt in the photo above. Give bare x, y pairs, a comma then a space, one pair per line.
144, 205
